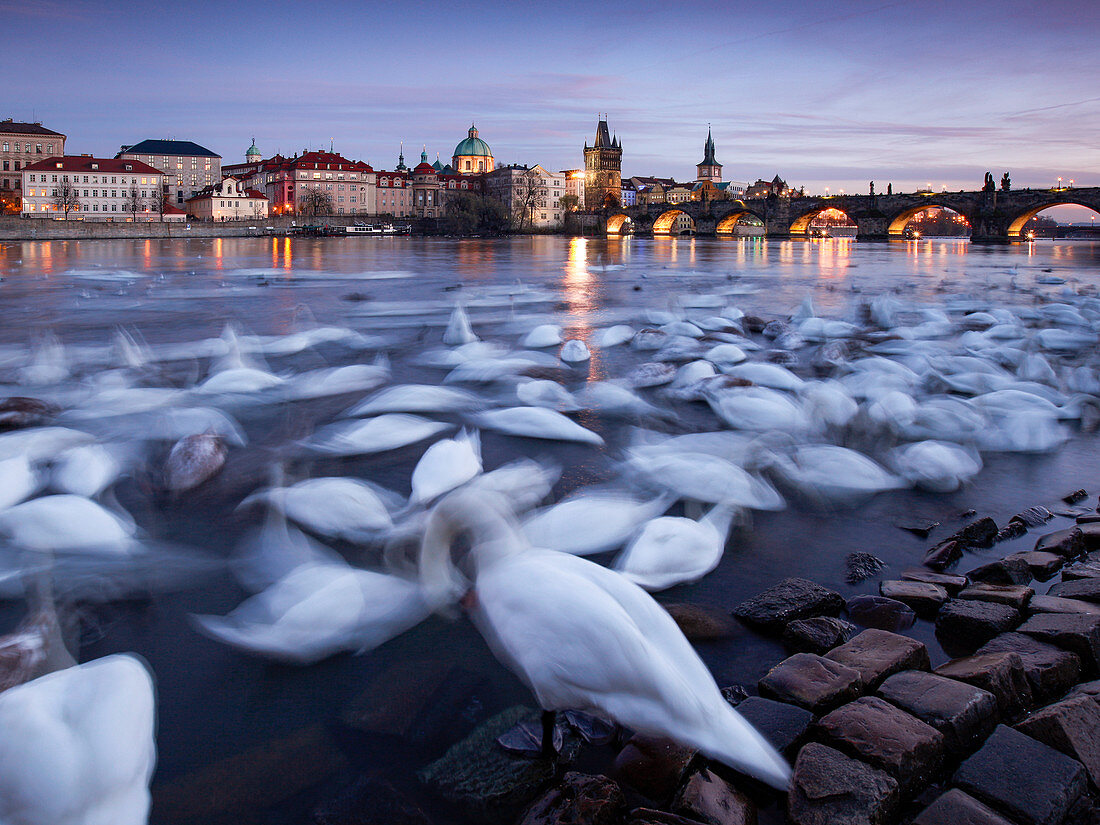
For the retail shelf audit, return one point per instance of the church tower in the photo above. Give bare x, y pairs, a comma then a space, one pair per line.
603, 170
709, 169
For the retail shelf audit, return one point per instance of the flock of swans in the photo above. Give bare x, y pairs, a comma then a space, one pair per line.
821, 411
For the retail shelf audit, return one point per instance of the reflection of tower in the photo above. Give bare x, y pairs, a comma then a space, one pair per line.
603, 170
709, 169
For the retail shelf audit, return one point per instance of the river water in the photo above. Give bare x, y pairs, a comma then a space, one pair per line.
216, 704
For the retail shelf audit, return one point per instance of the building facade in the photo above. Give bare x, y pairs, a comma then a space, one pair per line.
186, 166
289, 183
574, 185
228, 200
603, 170
531, 195
472, 155
22, 144
102, 189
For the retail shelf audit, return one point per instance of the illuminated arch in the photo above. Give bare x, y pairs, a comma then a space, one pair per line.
1016, 227
665, 223
898, 224
801, 225
619, 225
727, 226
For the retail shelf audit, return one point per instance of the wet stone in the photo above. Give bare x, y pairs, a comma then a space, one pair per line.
943, 555
1034, 516
1086, 589
700, 623
877, 654
1060, 604
1088, 518
1050, 671
1090, 689
861, 566
1013, 595
712, 800
1068, 543
812, 682
1075, 632
950, 582
1022, 778
1075, 496
1001, 674
790, 599
782, 724
735, 694
594, 800
651, 816
887, 737
880, 612
1012, 530
925, 598
1090, 533
980, 533
1043, 565
1071, 726
964, 714
1086, 568
923, 529
958, 808
653, 766
829, 788
817, 635
370, 801
1010, 570
967, 625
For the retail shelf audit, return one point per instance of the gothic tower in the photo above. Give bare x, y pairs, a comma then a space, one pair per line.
603, 170
709, 168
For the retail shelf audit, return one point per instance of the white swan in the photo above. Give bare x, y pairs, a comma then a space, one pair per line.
616, 335
86, 470
239, 380
574, 351
591, 522
766, 375
671, 550
66, 523
542, 336
937, 465
546, 393
758, 409
78, 746
582, 637
702, 477
335, 507
445, 465
835, 474
416, 398
458, 329
376, 435
18, 480
536, 422
335, 381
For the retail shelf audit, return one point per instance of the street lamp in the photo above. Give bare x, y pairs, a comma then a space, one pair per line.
826, 191
1059, 183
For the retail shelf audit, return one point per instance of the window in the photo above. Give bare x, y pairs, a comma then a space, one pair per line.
6, 149
85, 178
468, 165
38, 148
6, 169
114, 207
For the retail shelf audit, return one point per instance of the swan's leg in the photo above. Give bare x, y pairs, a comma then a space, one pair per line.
549, 722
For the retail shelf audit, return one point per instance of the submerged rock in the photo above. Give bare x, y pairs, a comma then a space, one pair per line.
877, 654
829, 788
881, 613
812, 682
817, 635
790, 599
1033, 516
578, 798
862, 566
653, 766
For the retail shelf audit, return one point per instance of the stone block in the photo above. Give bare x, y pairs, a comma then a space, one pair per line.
1060, 604
924, 597
578, 798
878, 653
812, 682
699, 623
1050, 670
1090, 535
653, 766
1071, 726
1034, 516
790, 599
1086, 568
958, 808
1086, 589
980, 533
782, 724
1076, 632
942, 555
886, 737
1022, 778
880, 613
963, 713
966, 625
1068, 543
950, 582
1008, 570
829, 788
1043, 565
1002, 674
1014, 595
817, 635
712, 800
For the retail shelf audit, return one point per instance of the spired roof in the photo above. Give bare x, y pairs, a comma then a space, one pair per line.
708, 153
604, 139
12, 127
170, 147
472, 146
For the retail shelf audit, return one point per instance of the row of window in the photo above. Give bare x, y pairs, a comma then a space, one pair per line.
95, 207
95, 179
27, 148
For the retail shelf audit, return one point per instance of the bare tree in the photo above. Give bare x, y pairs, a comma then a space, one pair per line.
132, 202
66, 197
315, 202
525, 198
569, 203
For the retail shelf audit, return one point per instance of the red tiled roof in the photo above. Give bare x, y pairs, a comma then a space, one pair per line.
424, 169
252, 193
11, 127
80, 163
172, 210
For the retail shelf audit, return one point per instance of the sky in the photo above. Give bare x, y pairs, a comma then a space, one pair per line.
825, 94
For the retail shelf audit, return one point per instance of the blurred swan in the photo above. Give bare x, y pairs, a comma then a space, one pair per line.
582, 637
193, 460
546, 393
937, 465
78, 745
610, 398
523, 483
542, 336
386, 432
670, 550
766, 375
616, 335
416, 398
66, 523
574, 351
86, 470
335, 507
536, 422
335, 381
18, 480
700, 477
239, 380
445, 465
834, 475
41, 443
758, 408
591, 522
458, 329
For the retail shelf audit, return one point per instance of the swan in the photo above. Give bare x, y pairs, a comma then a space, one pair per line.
835, 474
758, 409
445, 465
193, 460
174, 424
18, 480
66, 523
86, 470
78, 745
523, 483
334, 507
239, 380
936, 465
702, 477
591, 522
41, 443
616, 335
542, 336
546, 393
376, 435
829, 402
609, 398
335, 381
766, 375
574, 351
725, 355
582, 637
670, 550
536, 422
458, 329
416, 398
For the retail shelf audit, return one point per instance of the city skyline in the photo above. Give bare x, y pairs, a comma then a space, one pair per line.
823, 97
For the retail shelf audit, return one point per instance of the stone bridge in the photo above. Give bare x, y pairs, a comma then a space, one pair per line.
993, 216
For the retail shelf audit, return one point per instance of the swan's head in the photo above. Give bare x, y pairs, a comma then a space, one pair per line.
485, 524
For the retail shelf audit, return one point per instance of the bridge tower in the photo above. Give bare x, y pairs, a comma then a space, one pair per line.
603, 184
709, 169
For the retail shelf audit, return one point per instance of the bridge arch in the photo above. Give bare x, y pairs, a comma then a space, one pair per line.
901, 220
674, 222
740, 212
619, 225
1016, 226
801, 224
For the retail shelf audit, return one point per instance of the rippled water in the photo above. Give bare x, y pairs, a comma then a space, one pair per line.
215, 703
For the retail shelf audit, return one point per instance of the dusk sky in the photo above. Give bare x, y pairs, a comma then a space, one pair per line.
823, 93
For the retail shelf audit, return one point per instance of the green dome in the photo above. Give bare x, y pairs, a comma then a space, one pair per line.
473, 145
252, 150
